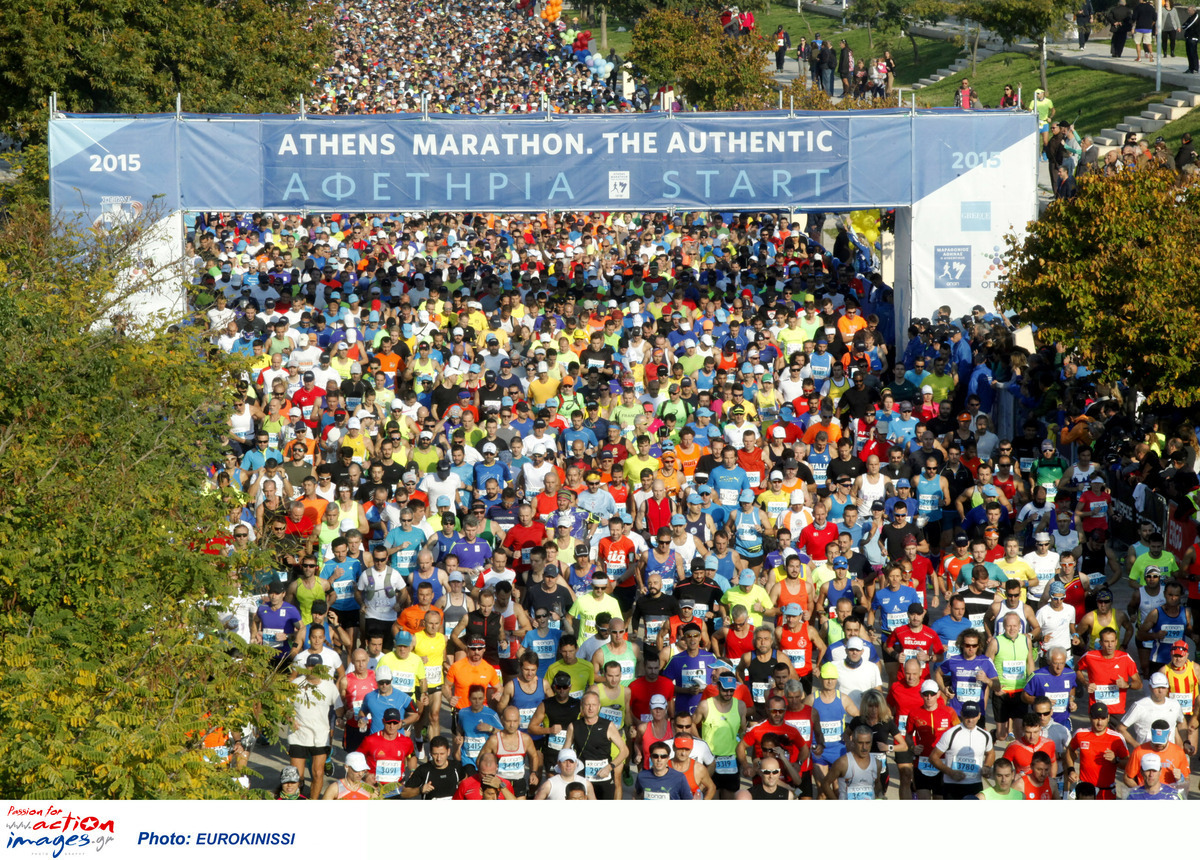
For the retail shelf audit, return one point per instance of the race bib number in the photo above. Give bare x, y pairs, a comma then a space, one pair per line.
271, 635
902, 723
557, 741
965, 762
593, 766
1099, 509
831, 731
976, 620
728, 498
448, 628
896, 620
860, 792
693, 677
926, 766
433, 675
511, 767
952, 649
343, 589
389, 771
1060, 701
544, 649
754, 479
969, 691
525, 555
799, 658
474, 745
526, 714
1012, 670
656, 795
1107, 694
1025, 463
1185, 700
652, 628
700, 611
726, 764
759, 691
613, 715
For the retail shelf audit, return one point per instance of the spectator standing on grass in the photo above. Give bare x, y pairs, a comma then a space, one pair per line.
845, 68
1010, 99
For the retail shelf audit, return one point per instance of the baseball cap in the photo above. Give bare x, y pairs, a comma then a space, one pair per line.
854, 644
792, 610
1057, 589
840, 561
357, 762
1047, 445
454, 577
404, 638
313, 660
711, 563
969, 709
746, 496
746, 577
561, 679
658, 701
382, 673
1151, 762
1098, 710
567, 754
1158, 679
929, 687
1180, 647
828, 670
909, 540
289, 774
392, 715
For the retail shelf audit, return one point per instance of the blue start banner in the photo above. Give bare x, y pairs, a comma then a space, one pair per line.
102, 166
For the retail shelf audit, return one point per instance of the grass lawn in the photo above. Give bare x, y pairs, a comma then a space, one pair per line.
934, 53
1172, 132
1092, 99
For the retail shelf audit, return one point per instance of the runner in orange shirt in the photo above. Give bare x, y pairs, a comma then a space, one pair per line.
471, 670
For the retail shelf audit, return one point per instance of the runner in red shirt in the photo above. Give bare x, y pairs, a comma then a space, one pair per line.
815, 536
904, 696
799, 716
791, 740
389, 754
472, 787
1021, 751
926, 725
952, 564
1108, 673
914, 641
796, 640
523, 536
616, 556
1097, 753
1039, 783
650, 684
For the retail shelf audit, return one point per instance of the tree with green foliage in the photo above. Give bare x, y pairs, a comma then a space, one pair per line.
118, 658
1108, 275
899, 15
710, 70
1018, 20
133, 56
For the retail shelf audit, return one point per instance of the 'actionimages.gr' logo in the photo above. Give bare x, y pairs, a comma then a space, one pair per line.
50, 831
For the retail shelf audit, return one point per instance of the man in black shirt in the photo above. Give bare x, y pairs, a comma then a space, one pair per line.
438, 778
598, 355
654, 608
845, 465
891, 536
860, 398
703, 592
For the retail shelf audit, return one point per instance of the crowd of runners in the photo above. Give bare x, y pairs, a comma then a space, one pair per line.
604, 505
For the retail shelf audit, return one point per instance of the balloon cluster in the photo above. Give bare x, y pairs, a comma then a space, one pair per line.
865, 223
552, 10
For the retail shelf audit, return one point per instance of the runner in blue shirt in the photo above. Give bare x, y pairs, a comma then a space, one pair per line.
968, 676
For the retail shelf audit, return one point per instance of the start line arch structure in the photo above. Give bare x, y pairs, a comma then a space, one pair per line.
958, 180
